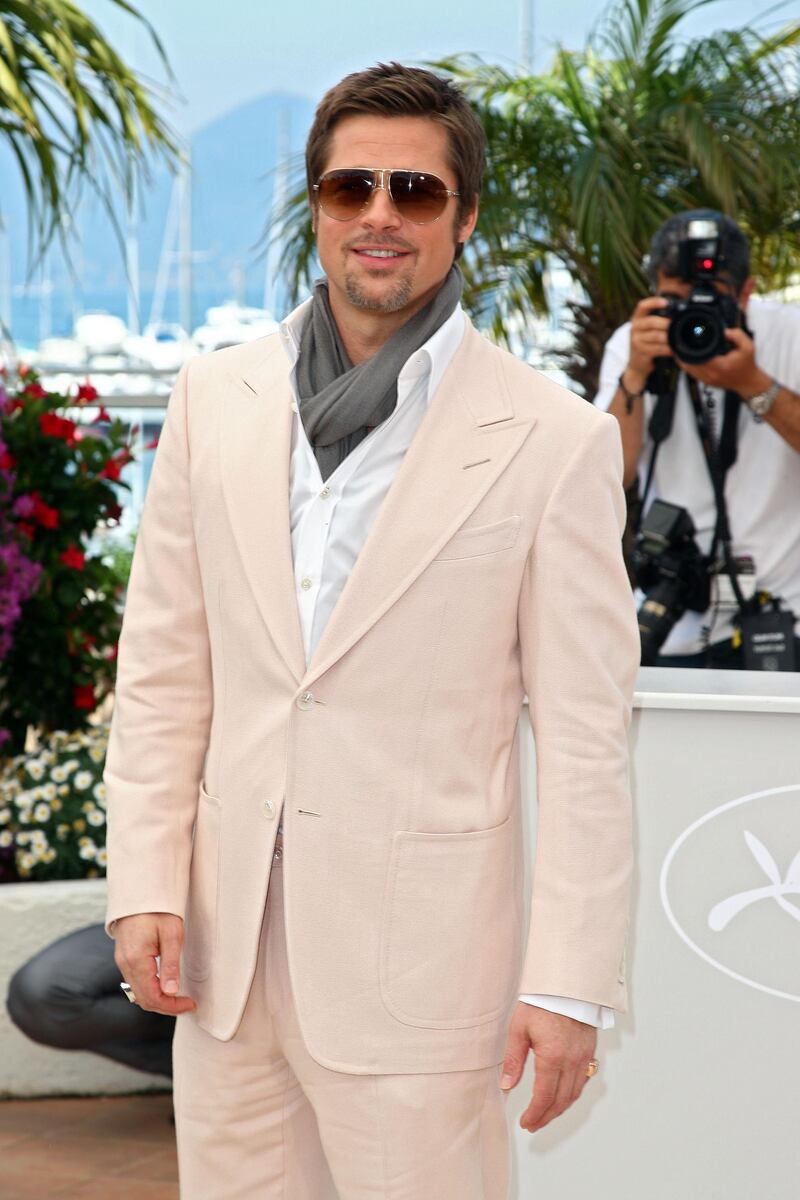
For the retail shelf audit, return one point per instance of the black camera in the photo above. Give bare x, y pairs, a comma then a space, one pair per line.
670, 569
698, 323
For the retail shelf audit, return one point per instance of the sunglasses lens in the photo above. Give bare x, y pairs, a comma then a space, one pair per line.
343, 194
418, 197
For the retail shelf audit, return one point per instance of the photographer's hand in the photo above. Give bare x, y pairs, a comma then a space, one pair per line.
736, 371
648, 341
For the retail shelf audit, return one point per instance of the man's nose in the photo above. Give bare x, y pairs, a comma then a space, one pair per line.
381, 211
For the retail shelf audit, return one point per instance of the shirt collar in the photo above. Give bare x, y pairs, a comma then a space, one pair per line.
431, 359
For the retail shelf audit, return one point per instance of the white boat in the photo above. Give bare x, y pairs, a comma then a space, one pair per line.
232, 323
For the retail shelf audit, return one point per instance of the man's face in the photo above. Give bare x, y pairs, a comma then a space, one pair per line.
421, 255
672, 285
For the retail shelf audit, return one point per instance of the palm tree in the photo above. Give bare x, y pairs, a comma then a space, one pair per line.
73, 113
588, 158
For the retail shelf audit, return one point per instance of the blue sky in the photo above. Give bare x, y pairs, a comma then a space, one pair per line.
226, 52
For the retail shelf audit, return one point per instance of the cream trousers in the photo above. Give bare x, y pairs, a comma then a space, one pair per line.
257, 1118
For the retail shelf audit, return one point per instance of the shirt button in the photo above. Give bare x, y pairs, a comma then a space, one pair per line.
306, 583
269, 808
305, 701
326, 491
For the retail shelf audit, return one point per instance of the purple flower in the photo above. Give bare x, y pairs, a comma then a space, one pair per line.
24, 506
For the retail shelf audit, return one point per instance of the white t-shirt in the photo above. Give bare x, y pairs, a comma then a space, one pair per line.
762, 488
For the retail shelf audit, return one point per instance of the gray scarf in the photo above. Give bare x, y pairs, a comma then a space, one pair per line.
340, 403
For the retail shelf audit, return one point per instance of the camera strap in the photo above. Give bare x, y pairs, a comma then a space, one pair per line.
720, 457
662, 383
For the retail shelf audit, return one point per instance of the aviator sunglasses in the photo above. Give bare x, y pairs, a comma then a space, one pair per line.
417, 196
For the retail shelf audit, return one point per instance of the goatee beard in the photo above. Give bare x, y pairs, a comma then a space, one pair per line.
389, 302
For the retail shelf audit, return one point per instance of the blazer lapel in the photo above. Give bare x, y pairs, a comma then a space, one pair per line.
255, 446
466, 439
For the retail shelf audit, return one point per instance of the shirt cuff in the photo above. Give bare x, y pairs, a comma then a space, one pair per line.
580, 1010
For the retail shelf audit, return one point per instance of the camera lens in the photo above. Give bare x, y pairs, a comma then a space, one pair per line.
697, 335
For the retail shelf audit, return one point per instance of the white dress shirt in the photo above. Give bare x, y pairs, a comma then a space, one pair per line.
330, 519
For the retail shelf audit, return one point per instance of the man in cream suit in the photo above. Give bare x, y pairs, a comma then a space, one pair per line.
365, 539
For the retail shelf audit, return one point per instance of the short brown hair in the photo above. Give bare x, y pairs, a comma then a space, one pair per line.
392, 90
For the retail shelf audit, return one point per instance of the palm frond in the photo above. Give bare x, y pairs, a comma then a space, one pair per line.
74, 114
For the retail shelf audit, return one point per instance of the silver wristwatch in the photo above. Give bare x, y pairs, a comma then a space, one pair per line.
761, 404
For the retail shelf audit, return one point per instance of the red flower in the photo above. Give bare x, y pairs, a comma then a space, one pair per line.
112, 652
43, 513
112, 470
86, 393
22, 370
7, 461
52, 425
73, 557
83, 696
104, 415
113, 512
26, 528
152, 444
34, 391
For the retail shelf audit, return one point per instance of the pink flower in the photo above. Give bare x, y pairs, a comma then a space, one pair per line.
24, 506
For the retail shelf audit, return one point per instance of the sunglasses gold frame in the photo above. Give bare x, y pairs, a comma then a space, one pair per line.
383, 186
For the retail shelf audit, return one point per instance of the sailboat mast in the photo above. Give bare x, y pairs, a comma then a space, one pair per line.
527, 44
185, 244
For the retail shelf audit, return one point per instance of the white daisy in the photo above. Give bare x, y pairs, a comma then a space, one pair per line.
88, 851
5, 816
97, 754
99, 791
49, 791
42, 812
71, 765
35, 768
59, 774
6, 838
49, 855
26, 862
83, 780
95, 817
102, 857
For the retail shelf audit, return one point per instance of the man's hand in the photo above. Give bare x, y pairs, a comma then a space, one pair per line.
648, 341
139, 939
735, 371
562, 1049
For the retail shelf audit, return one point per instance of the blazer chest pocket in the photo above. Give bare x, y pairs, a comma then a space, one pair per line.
200, 930
450, 937
481, 539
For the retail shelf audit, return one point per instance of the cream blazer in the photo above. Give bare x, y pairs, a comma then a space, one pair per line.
494, 568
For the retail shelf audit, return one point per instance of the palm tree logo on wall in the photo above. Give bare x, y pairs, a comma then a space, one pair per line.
777, 889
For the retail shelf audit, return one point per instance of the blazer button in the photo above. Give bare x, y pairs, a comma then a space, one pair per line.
305, 700
269, 808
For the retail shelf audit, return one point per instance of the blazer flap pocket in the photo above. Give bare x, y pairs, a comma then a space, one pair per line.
481, 539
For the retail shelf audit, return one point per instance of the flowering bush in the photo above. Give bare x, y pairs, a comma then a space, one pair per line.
19, 576
59, 603
53, 809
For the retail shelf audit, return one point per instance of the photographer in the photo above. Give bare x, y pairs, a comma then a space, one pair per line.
704, 382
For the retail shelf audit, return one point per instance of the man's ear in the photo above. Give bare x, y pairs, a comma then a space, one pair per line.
465, 228
746, 291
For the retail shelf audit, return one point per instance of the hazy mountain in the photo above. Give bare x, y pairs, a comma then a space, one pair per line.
233, 159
